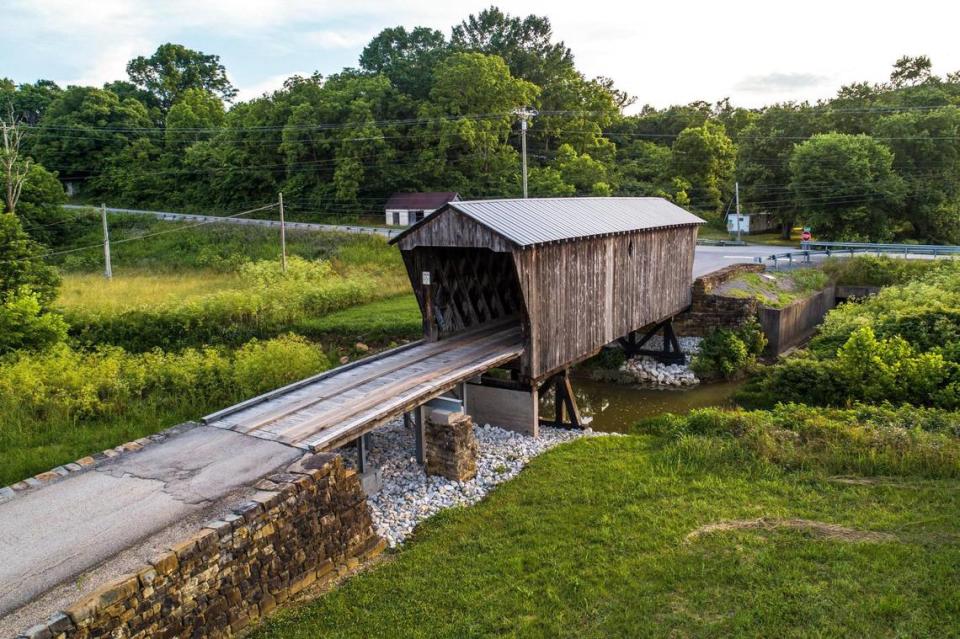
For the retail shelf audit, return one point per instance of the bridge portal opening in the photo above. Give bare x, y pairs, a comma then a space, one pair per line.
469, 287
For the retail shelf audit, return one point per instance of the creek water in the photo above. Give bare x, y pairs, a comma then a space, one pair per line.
616, 407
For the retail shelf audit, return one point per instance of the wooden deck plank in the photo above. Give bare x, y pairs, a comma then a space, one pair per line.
259, 415
379, 392
338, 409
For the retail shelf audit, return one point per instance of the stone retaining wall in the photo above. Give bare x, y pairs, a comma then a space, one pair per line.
304, 526
708, 312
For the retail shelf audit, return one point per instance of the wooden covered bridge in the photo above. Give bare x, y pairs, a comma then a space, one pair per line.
513, 293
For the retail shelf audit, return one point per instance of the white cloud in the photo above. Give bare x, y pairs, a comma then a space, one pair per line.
338, 39
267, 85
777, 81
661, 52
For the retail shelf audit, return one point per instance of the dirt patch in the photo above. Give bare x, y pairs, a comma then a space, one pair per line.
815, 528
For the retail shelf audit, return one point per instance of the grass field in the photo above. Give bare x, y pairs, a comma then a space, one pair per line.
376, 324
642, 537
141, 287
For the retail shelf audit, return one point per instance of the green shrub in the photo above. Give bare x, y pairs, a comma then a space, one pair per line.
25, 325
262, 366
726, 353
869, 270
865, 369
863, 441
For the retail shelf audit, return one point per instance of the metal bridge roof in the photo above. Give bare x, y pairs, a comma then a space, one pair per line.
541, 220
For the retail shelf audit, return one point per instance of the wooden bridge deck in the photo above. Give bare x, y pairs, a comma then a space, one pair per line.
336, 407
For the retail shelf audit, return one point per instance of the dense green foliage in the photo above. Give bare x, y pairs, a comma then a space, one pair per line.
428, 112
626, 550
848, 186
867, 270
60, 405
900, 346
726, 353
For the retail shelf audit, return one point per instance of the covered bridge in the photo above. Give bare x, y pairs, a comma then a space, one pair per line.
573, 273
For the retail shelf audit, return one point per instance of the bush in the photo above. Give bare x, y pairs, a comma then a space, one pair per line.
65, 384
869, 270
262, 366
726, 353
865, 369
25, 325
864, 440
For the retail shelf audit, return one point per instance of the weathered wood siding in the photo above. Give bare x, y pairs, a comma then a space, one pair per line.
448, 227
583, 294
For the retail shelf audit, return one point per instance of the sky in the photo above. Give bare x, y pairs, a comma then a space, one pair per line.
663, 53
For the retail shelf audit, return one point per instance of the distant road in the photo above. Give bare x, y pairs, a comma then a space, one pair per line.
193, 217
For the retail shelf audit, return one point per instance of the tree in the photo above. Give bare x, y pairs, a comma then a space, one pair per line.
548, 182
28, 102
582, 171
40, 208
173, 68
191, 116
15, 167
704, 156
911, 71
407, 58
927, 157
763, 156
525, 44
847, 185
21, 263
84, 128
465, 153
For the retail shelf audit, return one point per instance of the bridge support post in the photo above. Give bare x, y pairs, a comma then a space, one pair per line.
566, 414
669, 352
419, 433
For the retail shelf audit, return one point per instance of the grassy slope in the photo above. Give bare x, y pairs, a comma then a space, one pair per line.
377, 323
589, 541
137, 287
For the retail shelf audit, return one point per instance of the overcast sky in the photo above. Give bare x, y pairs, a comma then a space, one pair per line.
662, 52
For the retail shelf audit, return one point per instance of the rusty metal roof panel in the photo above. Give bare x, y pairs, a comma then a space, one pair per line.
542, 220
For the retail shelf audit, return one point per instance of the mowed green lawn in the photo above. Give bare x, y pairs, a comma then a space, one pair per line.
594, 539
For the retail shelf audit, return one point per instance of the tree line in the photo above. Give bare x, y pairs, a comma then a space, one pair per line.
424, 111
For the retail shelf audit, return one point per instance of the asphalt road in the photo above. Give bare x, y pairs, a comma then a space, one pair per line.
57, 532
711, 258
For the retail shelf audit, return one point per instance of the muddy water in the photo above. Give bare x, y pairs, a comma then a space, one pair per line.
615, 407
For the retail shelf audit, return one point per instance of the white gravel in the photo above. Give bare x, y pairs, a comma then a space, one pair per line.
647, 370
409, 496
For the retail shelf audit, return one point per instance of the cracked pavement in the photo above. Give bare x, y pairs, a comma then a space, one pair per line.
55, 533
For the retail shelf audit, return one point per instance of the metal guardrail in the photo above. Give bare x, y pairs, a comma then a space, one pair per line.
852, 248
905, 249
250, 221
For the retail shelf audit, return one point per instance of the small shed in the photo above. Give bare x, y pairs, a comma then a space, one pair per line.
403, 209
751, 223
574, 273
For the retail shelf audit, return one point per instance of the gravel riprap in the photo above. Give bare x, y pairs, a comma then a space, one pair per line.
647, 370
409, 496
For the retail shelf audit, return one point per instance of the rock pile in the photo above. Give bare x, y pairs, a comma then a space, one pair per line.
647, 370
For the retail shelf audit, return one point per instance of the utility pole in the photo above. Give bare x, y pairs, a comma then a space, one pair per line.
524, 114
736, 188
107, 268
283, 238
